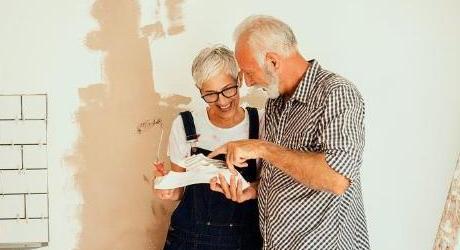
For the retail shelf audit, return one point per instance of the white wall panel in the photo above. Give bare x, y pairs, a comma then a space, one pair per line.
34, 156
12, 206
34, 106
23, 231
10, 157
22, 132
10, 107
36, 205
29, 181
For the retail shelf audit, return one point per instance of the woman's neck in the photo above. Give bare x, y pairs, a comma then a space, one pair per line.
222, 122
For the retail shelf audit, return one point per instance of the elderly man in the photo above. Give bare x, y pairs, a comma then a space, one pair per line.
310, 190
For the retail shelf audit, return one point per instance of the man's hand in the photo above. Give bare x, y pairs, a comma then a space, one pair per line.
238, 152
233, 191
165, 194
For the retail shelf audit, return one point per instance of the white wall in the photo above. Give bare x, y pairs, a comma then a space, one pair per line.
401, 54
42, 52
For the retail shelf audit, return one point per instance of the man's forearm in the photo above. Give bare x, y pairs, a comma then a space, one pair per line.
308, 168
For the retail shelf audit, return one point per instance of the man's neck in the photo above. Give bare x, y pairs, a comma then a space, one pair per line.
298, 66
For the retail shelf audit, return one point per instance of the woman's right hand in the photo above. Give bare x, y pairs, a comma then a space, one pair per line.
165, 194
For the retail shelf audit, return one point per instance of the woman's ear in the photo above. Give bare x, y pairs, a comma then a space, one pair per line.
239, 79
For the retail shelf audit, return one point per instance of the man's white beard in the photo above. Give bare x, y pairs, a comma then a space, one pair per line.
271, 87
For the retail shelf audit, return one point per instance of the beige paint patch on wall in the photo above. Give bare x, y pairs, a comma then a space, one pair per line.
173, 24
174, 9
121, 121
113, 156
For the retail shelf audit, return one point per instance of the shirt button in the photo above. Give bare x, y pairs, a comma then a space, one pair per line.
208, 223
231, 225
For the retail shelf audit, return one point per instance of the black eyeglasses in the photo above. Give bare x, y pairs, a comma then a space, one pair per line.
227, 92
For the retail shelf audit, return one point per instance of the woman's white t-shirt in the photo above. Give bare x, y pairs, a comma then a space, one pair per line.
209, 136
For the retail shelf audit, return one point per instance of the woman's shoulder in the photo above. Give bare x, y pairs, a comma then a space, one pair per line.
177, 123
196, 114
260, 111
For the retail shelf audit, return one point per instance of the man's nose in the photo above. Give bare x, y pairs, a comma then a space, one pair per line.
248, 80
249, 83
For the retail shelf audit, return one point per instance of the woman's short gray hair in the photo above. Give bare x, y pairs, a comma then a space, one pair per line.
217, 59
266, 34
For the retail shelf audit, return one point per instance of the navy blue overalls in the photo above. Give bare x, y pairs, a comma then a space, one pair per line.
207, 220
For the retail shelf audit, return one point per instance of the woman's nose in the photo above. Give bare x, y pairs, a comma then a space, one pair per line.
222, 99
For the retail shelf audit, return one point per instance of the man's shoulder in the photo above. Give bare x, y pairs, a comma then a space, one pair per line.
329, 82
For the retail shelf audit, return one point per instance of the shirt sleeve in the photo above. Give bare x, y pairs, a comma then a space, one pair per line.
178, 148
342, 130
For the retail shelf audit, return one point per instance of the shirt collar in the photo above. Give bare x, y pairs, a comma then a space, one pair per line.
306, 84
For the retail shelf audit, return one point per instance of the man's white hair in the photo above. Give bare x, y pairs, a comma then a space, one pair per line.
266, 34
217, 59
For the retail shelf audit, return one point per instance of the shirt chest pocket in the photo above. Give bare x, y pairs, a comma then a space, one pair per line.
303, 141
302, 135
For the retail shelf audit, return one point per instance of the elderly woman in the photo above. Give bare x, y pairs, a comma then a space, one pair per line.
205, 219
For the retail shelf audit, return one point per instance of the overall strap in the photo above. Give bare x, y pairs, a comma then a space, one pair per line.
253, 123
189, 125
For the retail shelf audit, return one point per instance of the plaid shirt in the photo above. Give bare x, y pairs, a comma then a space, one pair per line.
325, 114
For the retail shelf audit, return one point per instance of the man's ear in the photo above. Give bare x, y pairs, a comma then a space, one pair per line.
273, 60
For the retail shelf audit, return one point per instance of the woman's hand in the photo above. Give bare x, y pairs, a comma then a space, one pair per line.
233, 191
165, 194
